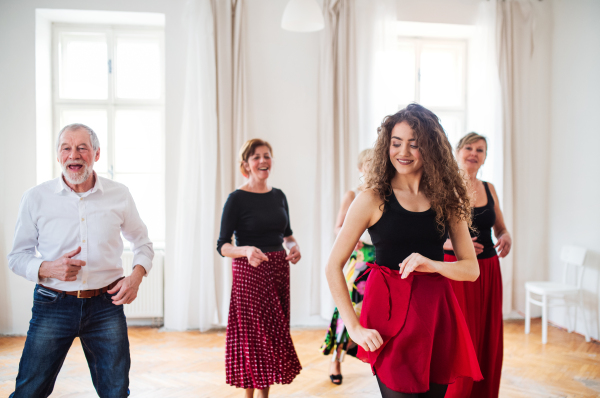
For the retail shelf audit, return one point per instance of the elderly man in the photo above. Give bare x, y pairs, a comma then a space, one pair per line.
74, 222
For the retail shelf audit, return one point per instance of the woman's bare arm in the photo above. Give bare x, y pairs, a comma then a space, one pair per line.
500, 231
361, 214
254, 254
346, 202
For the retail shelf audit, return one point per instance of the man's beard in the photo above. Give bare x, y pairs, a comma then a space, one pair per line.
79, 177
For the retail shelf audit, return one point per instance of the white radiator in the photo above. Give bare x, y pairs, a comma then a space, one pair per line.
149, 301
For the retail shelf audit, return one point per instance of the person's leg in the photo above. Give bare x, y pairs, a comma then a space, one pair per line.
106, 346
389, 393
435, 391
264, 393
52, 329
249, 393
335, 367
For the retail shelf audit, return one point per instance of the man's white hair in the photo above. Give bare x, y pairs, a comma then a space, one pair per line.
75, 126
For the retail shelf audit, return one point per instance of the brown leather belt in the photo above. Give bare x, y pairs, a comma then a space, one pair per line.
87, 293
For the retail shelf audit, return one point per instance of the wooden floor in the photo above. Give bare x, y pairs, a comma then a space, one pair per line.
190, 364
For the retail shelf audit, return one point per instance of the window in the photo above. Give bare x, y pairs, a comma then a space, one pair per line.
111, 78
433, 73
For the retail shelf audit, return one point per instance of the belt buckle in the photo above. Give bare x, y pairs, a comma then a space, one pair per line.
79, 294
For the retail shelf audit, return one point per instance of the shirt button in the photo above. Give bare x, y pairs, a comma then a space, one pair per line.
82, 219
80, 198
83, 241
84, 282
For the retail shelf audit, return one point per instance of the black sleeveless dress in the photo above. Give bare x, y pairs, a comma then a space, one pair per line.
425, 336
484, 218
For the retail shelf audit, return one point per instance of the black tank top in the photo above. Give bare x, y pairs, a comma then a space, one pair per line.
399, 233
484, 218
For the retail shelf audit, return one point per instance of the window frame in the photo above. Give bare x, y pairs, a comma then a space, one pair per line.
462, 45
111, 104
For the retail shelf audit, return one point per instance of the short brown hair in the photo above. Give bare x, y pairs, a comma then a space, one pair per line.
471, 138
248, 150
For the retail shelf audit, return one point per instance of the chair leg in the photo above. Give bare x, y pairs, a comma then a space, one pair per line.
570, 326
585, 325
527, 312
544, 319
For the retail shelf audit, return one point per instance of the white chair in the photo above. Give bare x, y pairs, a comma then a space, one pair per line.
571, 294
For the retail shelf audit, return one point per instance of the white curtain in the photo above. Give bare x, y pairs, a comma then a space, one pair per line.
523, 43
197, 284
485, 117
351, 43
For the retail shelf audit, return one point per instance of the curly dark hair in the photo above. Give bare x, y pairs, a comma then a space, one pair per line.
442, 182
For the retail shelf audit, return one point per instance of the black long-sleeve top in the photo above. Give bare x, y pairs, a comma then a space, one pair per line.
257, 219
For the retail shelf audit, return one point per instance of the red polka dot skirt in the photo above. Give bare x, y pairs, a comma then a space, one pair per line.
259, 351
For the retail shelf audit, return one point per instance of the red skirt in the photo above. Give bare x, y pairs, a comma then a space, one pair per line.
481, 303
259, 351
425, 336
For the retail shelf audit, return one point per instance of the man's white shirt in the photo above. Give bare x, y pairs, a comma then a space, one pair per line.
54, 220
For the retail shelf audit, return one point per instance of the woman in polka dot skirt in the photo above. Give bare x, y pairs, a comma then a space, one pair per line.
259, 349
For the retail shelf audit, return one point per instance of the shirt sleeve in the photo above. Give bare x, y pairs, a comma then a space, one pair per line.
288, 228
22, 259
228, 223
136, 232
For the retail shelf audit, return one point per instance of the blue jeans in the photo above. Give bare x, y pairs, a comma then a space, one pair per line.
57, 319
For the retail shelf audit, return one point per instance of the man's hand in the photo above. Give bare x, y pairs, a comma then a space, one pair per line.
64, 269
128, 287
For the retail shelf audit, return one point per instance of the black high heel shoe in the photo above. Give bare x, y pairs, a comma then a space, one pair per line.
336, 379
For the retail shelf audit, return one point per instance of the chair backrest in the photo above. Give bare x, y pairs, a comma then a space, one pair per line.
573, 255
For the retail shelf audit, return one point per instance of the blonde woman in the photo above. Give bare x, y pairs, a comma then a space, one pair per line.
337, 342
259, 350
481, 301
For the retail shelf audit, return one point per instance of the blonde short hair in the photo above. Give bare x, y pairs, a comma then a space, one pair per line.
248, 150
363, 156
470, 139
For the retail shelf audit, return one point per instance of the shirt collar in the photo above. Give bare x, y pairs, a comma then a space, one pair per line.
62, 185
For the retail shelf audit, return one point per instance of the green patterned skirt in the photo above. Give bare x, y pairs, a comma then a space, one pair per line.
337, 335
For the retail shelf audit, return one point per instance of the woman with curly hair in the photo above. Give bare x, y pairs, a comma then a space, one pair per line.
411, 329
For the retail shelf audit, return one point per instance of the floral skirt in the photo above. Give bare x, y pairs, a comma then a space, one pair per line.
337, 335
259, 350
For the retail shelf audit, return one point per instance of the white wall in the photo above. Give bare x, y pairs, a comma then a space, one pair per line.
574, 212
282, 71
18, 127
438, 11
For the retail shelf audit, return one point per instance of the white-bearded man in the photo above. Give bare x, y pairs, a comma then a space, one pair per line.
75, 223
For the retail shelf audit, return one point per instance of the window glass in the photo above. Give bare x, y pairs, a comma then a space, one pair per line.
83, 66
138, 67
441, 75
406, 72
148, 193
138, 141
453, 124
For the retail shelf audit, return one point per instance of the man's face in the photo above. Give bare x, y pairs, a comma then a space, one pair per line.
77, 156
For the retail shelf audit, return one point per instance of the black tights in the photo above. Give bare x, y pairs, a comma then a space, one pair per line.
435, 391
